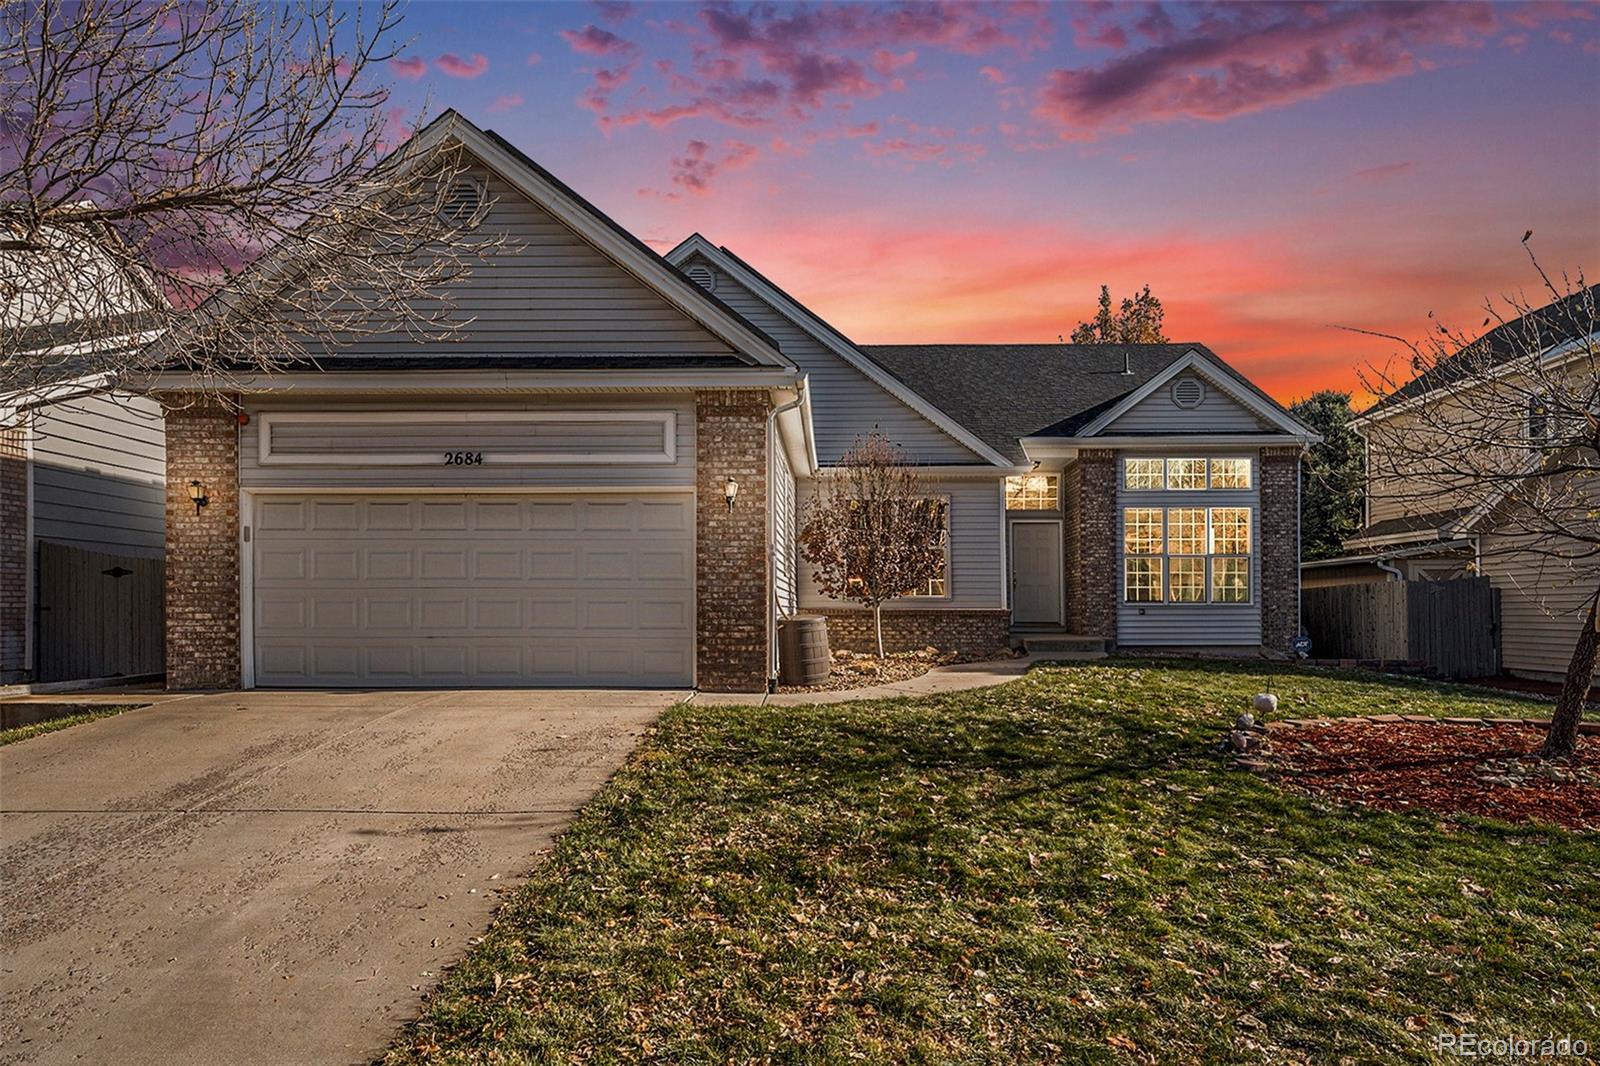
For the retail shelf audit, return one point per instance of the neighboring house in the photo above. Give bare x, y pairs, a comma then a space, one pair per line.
598, 479
1404, 538
82, 475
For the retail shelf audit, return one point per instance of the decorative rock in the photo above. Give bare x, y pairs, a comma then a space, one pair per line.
1244, 721
1265, 703
1245, 741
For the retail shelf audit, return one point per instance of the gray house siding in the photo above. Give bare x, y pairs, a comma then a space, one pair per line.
1191, 624
548, 292
976, 518
1157, 413
578, 474
784, 579
99, 469
845, 403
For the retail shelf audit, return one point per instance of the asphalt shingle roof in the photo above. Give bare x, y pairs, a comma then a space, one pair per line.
1001, 392
1570, 317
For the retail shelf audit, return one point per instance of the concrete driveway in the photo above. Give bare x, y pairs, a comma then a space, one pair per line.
275, 877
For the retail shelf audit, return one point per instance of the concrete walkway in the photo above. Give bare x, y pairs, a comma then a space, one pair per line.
275, 877
940, 679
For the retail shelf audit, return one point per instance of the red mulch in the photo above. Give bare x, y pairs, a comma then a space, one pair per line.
1488, 771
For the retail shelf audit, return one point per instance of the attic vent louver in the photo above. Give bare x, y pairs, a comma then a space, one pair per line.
1187, 393
463, 200
702, 276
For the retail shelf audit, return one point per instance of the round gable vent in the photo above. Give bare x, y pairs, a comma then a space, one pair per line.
702, 276
1188, 393
464, 199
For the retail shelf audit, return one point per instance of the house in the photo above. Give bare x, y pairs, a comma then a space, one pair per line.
598, 479
82, 471
1414, 531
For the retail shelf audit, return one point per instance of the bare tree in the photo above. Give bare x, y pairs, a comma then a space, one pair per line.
872, 533
1502, 432
221, 182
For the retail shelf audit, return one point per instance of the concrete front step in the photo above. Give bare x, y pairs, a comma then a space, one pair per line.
1065, 644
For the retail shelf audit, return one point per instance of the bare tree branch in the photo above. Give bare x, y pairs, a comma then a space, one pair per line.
162, 158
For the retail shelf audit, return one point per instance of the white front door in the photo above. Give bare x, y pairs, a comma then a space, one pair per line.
1036, 572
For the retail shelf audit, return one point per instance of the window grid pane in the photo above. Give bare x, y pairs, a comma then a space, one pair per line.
1033, 492
1142, 473
1142, 580
1186, 531
1187, 580
1230, 580
1186, 473
1230, 531
1141, 530
1230, 473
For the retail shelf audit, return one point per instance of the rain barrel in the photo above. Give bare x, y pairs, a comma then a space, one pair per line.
803, 655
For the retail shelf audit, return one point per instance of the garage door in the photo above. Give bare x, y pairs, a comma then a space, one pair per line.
481, 590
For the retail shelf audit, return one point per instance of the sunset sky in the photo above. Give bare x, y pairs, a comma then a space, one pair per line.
974, 173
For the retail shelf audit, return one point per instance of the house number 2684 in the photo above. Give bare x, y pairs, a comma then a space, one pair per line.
463, 458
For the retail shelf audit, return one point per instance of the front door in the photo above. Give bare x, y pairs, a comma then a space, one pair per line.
1036, 572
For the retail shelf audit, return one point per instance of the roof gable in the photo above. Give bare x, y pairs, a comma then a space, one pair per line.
1242, 409
850, 393
571, 288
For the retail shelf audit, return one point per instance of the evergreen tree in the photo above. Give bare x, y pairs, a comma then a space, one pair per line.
1332, 476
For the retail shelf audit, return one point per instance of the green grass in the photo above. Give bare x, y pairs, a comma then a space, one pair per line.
52, 725
1060, 869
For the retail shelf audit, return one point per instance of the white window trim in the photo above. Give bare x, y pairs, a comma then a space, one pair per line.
1166, 487
1166, 556
668, 453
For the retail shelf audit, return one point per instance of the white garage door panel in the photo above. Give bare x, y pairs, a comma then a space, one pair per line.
582, 590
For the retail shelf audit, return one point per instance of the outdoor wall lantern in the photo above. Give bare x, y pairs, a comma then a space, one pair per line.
197, 493
730, 491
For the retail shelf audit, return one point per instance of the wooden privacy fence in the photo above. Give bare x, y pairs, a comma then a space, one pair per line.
1452, 626
99, 615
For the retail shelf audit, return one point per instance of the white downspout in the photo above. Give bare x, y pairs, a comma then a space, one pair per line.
772, 497
1393, 571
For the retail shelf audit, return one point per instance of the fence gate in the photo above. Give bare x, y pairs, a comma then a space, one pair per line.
1453, 626
99, 615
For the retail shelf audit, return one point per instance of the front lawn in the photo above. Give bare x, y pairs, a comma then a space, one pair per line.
1059, 869
52, 725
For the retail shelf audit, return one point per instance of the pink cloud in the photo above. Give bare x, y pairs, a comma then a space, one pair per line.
508, 102
890, 63
695, 168
614, 11
1240, 59
534, 59
594, 41
409, 68
457, 67
995, 75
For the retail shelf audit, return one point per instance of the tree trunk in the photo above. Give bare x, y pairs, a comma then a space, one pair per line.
877, 624
1563, 737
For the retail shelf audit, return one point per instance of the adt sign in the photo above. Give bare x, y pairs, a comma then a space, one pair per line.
1302, 645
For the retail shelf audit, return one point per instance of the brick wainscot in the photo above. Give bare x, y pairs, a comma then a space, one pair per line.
964, 632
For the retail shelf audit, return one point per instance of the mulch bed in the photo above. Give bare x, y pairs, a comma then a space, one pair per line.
1486, 770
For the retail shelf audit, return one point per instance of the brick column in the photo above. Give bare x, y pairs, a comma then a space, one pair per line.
202, 545
13, 552
1280, 548
731, 546
1091, 543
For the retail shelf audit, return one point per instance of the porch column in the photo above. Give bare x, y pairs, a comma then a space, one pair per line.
731, 549
202, 607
